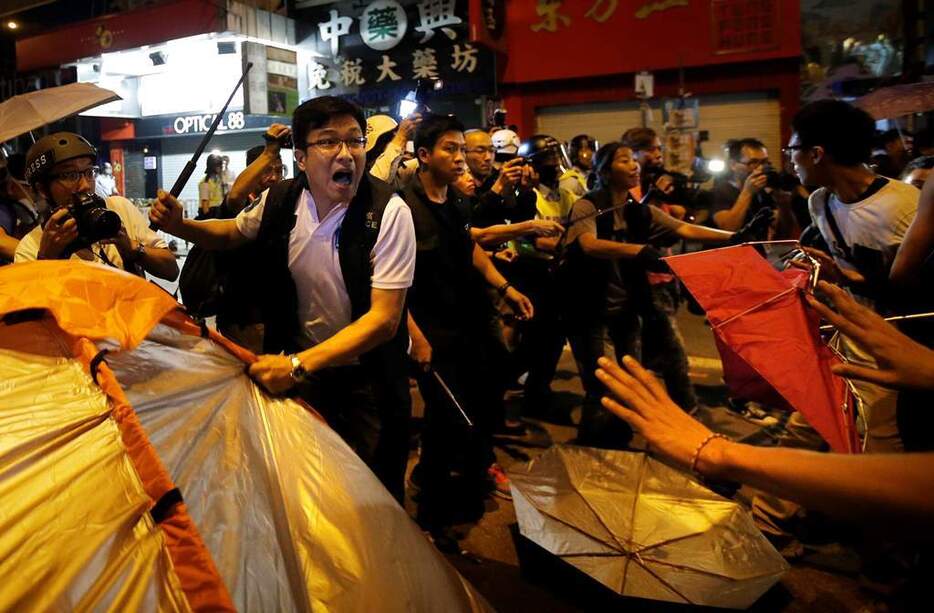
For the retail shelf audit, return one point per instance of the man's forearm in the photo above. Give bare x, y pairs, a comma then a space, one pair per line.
366, 333
500, 233
886, 485
159, 262
609, 250
213, 234
694, 232
732, 219
484, 265
248, 181
8, 245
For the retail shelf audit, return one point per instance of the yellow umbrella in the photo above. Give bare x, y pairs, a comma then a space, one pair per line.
642, 528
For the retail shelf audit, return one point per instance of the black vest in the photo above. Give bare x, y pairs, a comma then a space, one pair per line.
585, 278
356, 238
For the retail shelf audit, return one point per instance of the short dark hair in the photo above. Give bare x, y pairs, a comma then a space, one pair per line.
603, 161
315, 113
925, 162
639, 139
844, 131
577, 143
432, 127
734, 148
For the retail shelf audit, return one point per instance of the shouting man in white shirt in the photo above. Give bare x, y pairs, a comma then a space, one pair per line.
340, 255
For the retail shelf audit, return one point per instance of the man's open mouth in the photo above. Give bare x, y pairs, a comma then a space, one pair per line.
343, 177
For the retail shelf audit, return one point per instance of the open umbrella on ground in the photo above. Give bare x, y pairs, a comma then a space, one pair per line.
769, 339
643, 529
26, 112
898, 100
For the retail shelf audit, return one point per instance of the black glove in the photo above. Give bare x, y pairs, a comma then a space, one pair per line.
756, 230
650, 259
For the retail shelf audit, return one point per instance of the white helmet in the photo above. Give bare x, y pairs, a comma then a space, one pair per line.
505, 141
376, 126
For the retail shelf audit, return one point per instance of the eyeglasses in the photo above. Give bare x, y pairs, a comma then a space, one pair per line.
482, 150
755, 163
333, 145
792, 148
73, 177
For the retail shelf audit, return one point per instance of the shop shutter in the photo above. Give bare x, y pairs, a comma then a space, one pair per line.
725, 117
178, 150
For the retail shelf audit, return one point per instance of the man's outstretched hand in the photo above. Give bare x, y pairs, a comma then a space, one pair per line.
902, 363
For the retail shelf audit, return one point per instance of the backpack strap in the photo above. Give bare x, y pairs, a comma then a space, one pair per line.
837, 234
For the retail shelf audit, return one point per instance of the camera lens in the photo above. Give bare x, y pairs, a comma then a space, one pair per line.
95, 224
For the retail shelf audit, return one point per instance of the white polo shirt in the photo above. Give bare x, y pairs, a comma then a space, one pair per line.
314, 262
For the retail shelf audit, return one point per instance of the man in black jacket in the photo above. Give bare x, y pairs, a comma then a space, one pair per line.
449, 325
340, 256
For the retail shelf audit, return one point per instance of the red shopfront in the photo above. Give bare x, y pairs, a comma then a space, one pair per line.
571, 65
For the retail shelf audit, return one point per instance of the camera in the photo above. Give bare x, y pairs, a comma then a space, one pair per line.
779, 180
95, 221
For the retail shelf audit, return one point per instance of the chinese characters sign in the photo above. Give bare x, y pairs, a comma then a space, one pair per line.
387, 45
744, 25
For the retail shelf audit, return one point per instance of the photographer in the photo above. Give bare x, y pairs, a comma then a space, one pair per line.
504, 195
60, 168
331, 308
391, 165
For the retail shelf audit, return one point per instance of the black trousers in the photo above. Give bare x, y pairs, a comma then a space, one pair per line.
471, 363
615, 335
372, 413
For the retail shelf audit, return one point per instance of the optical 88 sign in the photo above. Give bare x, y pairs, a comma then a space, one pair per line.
188, 124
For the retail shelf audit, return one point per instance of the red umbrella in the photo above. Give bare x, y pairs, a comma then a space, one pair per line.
898, 100
768, 338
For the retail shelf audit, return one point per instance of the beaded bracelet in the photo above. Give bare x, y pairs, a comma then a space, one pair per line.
700, 447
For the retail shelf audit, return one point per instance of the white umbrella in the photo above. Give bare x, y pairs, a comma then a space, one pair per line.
26, 112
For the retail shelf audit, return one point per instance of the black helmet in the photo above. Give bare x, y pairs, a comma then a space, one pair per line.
50, 150
539, 146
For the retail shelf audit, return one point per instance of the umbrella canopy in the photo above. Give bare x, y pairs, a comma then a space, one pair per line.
898, 100
642, 528
26, 112
769, 339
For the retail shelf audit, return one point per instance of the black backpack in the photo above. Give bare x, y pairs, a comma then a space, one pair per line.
203, 277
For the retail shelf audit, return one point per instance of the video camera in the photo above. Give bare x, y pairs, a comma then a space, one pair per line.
95, 221
781, 180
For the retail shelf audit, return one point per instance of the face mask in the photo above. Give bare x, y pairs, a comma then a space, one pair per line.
548, 175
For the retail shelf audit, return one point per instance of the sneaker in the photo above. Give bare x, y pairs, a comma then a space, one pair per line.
500, 482
516, 429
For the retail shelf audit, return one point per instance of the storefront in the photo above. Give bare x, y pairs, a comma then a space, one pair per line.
376, 52
737, 63
174, 66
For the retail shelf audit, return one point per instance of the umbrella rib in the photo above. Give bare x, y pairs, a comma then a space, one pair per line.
622, 546
580, 531
702, 572
754, 307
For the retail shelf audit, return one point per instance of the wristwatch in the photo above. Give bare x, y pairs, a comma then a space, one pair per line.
298, 373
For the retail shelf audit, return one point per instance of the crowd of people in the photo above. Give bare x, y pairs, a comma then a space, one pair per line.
466, 259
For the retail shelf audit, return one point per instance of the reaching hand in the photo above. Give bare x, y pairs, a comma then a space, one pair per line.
829, 270
59, 231
520, 303
756, 230
274, 136
642, 401
651, 259
510, 175
545, 227
406, 129
507, 255
902, 363
166, 212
